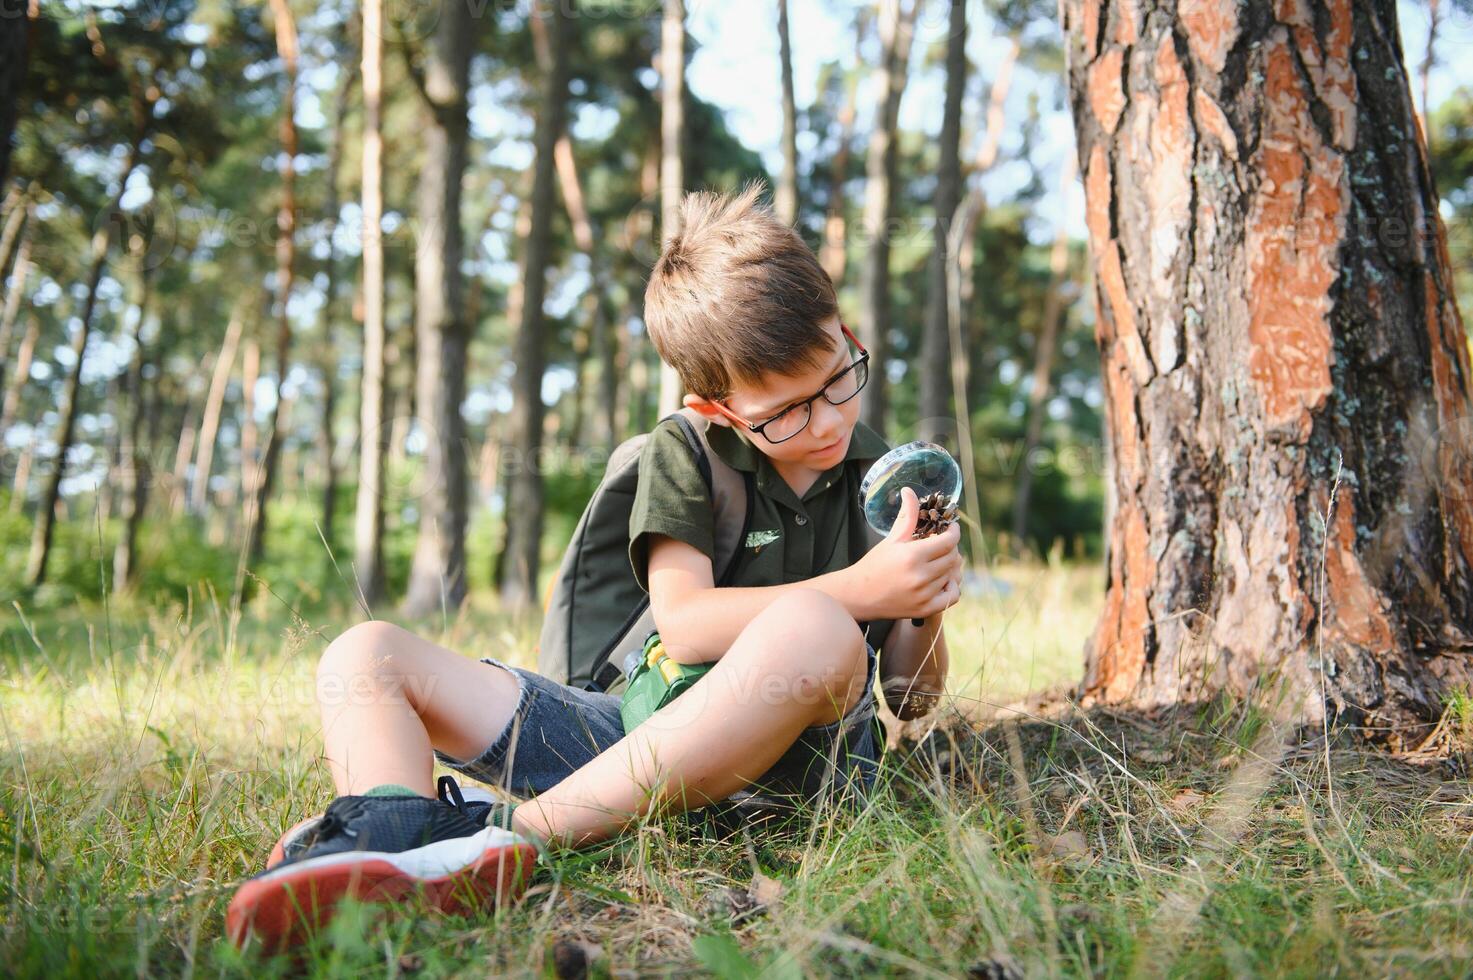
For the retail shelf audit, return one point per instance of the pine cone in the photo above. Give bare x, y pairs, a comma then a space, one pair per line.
937, 512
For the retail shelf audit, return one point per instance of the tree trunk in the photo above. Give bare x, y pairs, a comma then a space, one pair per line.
40, 552
1286, 375
368, 519
184, 448
897, 21
134, 469
204, 459
19, 210
16, 388
15, 31
437, 576
786, 198
524, 524
597, 345
672, 157
15, 294
976, 201
935, 393
1043, 359
20, 487
250, 467
328, 350
1429, 58
286, 254
833, 253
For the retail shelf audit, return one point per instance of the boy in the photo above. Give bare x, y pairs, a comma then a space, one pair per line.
739, 306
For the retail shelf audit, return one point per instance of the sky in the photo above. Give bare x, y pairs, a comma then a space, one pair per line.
736, 67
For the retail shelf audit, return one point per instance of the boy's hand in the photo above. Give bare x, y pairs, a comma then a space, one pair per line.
902, 577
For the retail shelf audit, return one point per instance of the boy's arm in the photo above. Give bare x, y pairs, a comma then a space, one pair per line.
913, 664
899, 577
697, 621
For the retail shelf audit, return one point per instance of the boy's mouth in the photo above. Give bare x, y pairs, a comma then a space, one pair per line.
831, 448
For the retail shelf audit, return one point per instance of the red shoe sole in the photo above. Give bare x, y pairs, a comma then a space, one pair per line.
283, 909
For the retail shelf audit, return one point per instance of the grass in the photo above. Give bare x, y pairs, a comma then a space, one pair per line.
152, 754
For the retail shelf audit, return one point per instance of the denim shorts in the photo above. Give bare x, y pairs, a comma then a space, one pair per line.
556, 729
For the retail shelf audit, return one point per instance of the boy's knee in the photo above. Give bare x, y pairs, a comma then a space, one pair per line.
362, 653
827, 648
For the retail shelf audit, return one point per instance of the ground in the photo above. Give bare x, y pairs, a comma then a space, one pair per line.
152, 755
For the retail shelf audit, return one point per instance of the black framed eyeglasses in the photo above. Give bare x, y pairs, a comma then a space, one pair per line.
795, 418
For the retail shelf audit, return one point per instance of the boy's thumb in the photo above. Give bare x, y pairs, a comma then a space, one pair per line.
905, 521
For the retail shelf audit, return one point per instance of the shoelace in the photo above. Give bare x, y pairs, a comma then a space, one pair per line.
497, 814
336, 820
448, 790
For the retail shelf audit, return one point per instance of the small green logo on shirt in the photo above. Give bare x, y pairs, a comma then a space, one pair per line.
757, 540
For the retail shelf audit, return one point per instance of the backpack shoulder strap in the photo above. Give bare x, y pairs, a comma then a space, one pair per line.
731, 501
731, 493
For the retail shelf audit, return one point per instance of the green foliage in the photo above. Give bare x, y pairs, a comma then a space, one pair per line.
1450, 139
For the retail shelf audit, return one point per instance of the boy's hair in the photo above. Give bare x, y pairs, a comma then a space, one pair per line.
736, 294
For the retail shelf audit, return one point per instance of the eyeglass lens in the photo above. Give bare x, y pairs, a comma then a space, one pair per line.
838, 391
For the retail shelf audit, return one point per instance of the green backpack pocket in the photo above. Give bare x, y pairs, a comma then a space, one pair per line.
654, 681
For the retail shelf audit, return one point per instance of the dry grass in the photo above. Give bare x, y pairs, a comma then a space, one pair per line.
152, 755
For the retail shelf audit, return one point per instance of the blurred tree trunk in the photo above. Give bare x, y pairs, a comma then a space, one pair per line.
15, 31
634, 346
18, 212
672, 157
368, 520
897, 22
598, 346
23, 359
1429, 59
142, 98
786, 198
134, 471
184, 447
935, 394
14, 295
437, 575
1043, 358
209, 429
20, 487
1286, 375
975, 203
833, 253
525, 505
286, 254
250, 467
327, 367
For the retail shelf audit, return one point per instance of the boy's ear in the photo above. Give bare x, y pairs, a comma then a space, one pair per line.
705, 407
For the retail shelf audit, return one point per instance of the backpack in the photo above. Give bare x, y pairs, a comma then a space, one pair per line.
597, 613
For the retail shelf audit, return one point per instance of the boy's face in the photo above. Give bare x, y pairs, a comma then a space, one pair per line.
825, 440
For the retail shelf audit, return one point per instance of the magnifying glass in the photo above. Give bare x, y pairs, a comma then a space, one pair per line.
927, 469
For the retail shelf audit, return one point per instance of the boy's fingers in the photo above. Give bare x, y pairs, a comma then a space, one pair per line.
938, 545
905, 521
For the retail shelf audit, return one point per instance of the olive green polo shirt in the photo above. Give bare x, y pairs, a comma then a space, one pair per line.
790, 538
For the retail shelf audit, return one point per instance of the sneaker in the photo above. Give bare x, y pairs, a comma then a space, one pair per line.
481, 806
380, 849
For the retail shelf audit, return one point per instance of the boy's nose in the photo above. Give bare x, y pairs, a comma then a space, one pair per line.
825, 421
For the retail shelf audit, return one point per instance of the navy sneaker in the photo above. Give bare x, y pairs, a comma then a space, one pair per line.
380, 849
479, 805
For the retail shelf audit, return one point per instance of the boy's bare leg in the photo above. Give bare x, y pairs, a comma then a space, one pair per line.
800, 662
387, 696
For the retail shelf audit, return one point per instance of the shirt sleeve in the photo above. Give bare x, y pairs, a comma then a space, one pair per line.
671, 499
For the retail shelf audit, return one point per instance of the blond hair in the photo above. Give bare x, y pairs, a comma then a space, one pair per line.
736, 294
